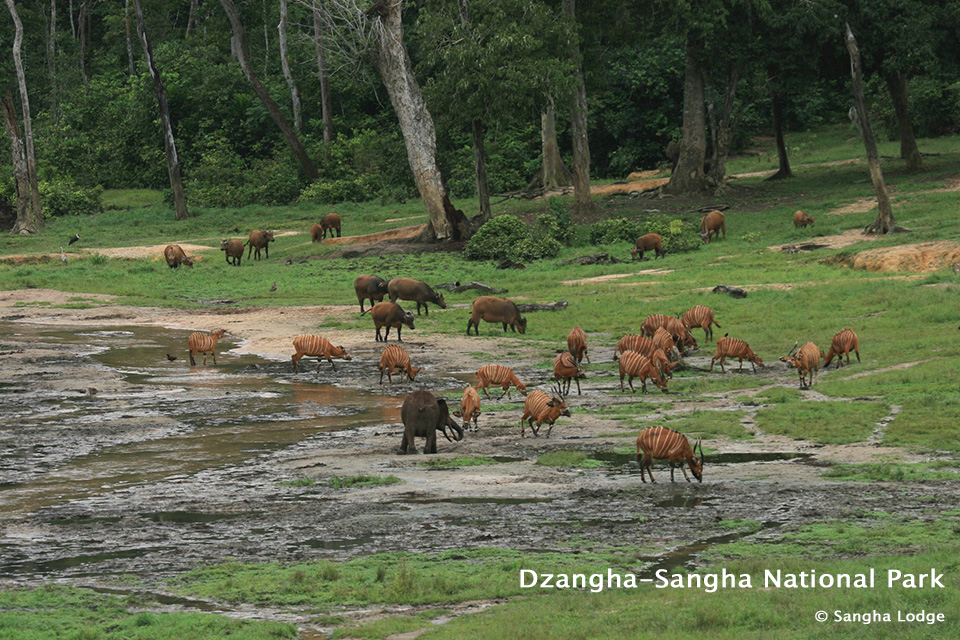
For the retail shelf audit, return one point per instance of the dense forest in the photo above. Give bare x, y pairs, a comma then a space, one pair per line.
274, 101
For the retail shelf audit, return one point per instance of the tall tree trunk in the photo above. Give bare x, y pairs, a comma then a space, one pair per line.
480, 166
73, 27
326, 105
28, 221
689, 176
285, 63
243, 55
885, 223
479, 155
722, 129
897, 84
82, 19
34, 215
192, 16
266, 41
553, 173
416, 124
131, 69
776, 101
578, 130
52, 63
173, 163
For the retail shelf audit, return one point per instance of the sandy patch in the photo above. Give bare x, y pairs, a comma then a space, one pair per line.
838, 241
923, 257
617, 276
151, 251
402, 219
401, 233
643, 175
759, 174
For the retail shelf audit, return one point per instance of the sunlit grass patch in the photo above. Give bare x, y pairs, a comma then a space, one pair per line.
361, 480
577, 459
824, 422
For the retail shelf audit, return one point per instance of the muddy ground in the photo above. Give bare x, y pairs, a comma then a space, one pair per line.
115, 460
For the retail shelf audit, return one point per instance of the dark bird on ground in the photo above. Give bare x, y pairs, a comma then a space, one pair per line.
63, 256
75, 237
288, 262
171, 358
274, 287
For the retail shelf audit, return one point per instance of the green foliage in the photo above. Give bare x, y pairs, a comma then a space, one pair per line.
614, 230
536, 248
223, 178
496, 239
63, 197
362, 480
565, 458
336, 191
678, 235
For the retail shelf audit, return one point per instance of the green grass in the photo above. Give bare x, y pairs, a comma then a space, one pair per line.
361, 480
709, 424
57, 612
577, 459
389, 626
895, 471
385, 578
306, 481
824, 422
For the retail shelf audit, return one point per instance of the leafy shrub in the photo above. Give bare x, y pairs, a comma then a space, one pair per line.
63, 197
678, 236
615, 230
535, 248
359, 189
565, 228
496, 239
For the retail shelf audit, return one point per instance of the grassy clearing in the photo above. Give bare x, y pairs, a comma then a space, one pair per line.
824, 422
306, 481
389, 626
77, 614
462, 461
709, 424
895, 471
386, 578
361, 480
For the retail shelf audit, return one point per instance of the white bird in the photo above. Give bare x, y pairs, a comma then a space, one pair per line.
63, 256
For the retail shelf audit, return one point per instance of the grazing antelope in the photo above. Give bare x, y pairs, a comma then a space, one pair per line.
664, 341
577, 344
734, 348
541, 408
319, 347
681, 334
394, 357
801, 219
653, 322
175, 256
842, 344
469, 408
663, 364
566, 369
498, 376
648, 242
700, 316
203, 342
633, 342
633, 365
661, 443
806, 361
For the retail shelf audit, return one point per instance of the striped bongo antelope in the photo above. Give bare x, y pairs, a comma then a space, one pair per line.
319, 347
653, 322
567, 369
806, 361
633, 365
663, 364
664, 341
394, 357
700, 316
734, 348
633, 342
541, 408
203, 342
680, 333
842, 344
498, 376
577, 344
661, 443
469, 408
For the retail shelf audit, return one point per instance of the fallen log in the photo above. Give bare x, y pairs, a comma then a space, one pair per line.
718, 207
553, 306
456, 287
598, 258
510, 264
736, 292
803, 246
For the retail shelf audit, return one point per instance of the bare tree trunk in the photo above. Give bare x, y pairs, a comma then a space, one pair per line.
689, 176
266, 41
173, 163
553, 173
897, 84
192, 16
26, 217
34, 214
52, 54
73, 27
885, 223
479, 161
285, 63
131, 69
243, 55
326, 105
784, 171
578, 131
82, 19
722, 129
416, 124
